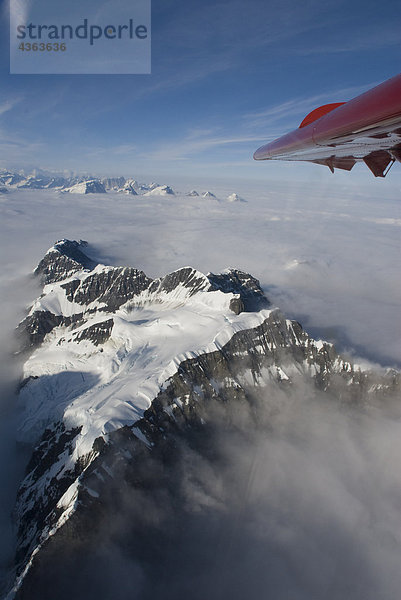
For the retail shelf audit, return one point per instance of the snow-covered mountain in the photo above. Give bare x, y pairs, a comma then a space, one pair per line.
234, 198
141, 188
129, 187
41, 182
119, 367
38, 180
160, 190
91, 186
10, 178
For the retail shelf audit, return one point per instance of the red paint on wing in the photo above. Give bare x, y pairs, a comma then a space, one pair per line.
319, 112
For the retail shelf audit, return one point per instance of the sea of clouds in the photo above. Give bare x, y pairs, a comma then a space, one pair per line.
329, 256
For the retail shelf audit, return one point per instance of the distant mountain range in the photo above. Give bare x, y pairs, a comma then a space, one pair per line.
83, 184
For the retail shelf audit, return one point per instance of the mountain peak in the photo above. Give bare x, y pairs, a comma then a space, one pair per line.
90, 186
235, 198
63, 260
160, 190
238, 282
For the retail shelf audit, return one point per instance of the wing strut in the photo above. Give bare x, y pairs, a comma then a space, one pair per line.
389, 167
378, 162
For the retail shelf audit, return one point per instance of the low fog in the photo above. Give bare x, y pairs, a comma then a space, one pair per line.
17, 291
304, 505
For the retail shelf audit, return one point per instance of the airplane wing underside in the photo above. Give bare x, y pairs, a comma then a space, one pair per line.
367, 128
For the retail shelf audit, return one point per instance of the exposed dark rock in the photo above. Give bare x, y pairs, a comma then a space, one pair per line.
33, 329
57, 182
113, 183
63, 260
98, 333
113, 287
53, 443
70, 288
187, 277
238, 282
36, 502
237, 306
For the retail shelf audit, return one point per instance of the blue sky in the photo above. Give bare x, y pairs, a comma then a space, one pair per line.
226, 77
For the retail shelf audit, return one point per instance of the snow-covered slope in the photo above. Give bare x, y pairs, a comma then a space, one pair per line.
91, 186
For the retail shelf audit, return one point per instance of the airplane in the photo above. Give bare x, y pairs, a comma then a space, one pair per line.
366, 128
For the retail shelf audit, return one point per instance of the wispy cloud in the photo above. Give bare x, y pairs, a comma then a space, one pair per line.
7, 105
18, 150
120, 150
300, 106
196, 143
356, 43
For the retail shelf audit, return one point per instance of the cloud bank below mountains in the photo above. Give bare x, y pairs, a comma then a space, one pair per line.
319, 507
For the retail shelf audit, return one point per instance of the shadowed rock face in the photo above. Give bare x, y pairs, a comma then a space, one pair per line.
127, 473
63, 260
187, 277
32, 330
238, 282
111, 183
112, 287
98, 333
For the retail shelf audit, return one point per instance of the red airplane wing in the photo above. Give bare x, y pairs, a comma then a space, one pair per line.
367, 128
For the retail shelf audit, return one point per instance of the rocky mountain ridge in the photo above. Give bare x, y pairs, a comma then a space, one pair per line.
120, 367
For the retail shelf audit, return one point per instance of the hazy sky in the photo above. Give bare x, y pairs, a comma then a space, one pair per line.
227, 76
